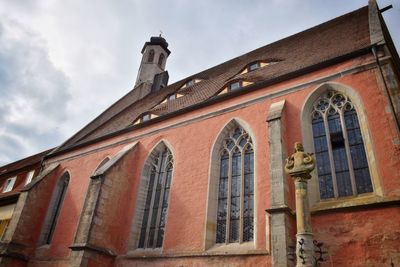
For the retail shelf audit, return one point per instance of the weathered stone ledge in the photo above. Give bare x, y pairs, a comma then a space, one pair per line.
355, 203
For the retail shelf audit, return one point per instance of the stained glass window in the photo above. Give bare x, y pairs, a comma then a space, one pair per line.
235, 212
339, 148
156, 203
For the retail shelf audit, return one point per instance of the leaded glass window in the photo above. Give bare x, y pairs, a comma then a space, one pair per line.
156, 203
235, 212
339, 148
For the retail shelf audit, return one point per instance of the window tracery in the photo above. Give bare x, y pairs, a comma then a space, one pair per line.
235, 211
156, 203
339, 147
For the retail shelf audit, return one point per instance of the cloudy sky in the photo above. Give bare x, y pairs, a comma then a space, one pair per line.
64, 62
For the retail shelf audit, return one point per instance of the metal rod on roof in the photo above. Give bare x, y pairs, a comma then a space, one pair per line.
385, 8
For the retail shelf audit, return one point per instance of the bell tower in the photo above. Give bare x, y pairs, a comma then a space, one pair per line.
155, 54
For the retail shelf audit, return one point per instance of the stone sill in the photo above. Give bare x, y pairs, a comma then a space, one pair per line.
144, 253
354, 203
245, 249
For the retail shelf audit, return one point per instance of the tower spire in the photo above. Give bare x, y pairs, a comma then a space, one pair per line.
155, 54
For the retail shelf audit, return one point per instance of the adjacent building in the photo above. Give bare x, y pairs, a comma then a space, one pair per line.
13, 177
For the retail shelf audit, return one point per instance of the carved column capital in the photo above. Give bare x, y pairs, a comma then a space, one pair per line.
299, 166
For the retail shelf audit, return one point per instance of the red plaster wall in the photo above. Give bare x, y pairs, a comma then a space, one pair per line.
114, 212
191, 146
31, 220
360, 238
231, 261
80, 172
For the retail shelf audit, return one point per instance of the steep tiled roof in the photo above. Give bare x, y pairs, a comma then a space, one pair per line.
22, 164
327, 41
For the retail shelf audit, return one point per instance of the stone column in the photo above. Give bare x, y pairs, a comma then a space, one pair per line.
298, 166
279, 212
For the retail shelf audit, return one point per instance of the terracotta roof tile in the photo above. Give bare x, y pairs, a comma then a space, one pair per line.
326, 41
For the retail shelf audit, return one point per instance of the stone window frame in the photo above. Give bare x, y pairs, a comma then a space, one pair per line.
54, 210
212, 194
141, 199
306, 126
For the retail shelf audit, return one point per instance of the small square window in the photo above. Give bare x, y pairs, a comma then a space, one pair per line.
254, 66
146, 117
190, 83
9, 184
234, 86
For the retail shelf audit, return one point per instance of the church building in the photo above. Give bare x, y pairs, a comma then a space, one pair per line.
192, 173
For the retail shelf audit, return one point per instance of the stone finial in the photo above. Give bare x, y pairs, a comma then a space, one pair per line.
300, 163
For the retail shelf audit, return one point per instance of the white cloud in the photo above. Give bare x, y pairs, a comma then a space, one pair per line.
31, 89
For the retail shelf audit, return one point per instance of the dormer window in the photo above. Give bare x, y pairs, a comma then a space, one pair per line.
145, 117
172, 97
236, 85
9, 184
254, 66
191, 83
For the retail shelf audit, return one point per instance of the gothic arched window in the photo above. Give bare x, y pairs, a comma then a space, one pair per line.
151, 56
235, 210
156, 202
161, 60
339, 147
54, 209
